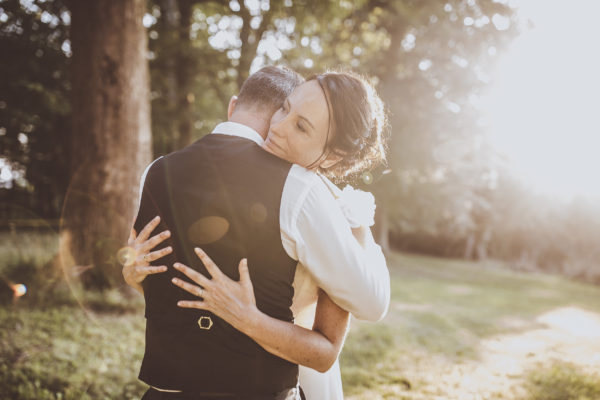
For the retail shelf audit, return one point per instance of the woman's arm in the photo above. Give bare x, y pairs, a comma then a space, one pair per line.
235, 303
317, 348
323, 241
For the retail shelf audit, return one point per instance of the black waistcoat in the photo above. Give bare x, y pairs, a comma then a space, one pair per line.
223, 194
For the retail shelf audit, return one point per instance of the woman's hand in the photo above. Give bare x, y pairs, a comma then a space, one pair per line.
137, 266
232, 301
235, 303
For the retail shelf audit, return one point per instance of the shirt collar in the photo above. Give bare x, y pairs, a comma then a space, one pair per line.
236, 129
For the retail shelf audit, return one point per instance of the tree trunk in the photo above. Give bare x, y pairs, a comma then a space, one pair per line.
111, 135
185, 75
169, 20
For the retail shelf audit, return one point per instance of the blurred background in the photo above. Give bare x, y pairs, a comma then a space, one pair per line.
488, 207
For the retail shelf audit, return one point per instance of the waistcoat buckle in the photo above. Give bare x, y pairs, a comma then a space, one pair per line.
205, 323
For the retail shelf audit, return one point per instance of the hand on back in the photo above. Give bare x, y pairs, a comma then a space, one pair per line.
137, 266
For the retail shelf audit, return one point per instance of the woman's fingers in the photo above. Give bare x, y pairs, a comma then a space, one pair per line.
155, 255
192, 274
154, 241
143, 271
145, 233
244, 274
188, 287
135, 275
211, 267
200, 305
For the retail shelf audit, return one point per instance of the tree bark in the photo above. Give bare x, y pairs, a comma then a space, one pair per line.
185, 74
111, 135
169, 22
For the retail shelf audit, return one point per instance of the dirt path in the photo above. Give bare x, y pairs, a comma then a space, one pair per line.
565, 335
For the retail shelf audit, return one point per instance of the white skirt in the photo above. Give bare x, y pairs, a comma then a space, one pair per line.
316, 385
322, 386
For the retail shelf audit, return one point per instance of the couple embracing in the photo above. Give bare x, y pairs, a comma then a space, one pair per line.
265, 258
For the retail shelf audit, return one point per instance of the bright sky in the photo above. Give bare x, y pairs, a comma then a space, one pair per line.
544, 108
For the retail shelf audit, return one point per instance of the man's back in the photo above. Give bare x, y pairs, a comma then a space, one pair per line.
222, 194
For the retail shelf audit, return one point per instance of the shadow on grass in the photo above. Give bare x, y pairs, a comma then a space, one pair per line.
562, 381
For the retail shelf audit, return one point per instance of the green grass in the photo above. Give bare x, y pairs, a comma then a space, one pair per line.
442, 311
563, 381
443, 317
29, 258
25, 258
66, 353
33, 247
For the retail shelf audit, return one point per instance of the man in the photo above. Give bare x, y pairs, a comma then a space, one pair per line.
228, 196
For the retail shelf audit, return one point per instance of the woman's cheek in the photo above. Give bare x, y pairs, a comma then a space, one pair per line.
277, 117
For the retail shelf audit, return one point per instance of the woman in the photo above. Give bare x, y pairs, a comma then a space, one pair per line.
333, 125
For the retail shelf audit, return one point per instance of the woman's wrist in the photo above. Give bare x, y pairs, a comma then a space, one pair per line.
253, 321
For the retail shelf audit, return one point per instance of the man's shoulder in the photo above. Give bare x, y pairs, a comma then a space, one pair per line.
212, 143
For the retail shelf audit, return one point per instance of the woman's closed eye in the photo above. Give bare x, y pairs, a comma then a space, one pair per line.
301, 127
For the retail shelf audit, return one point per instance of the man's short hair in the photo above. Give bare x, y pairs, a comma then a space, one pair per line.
267, 88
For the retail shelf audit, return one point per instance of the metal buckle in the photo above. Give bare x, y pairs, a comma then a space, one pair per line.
203, 325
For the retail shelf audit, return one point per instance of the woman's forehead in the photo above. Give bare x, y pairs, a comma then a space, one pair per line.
309, 93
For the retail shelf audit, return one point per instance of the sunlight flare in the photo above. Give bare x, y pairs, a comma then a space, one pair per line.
542, 109
19, 289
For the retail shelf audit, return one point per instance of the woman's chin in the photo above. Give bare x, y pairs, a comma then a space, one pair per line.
274, 149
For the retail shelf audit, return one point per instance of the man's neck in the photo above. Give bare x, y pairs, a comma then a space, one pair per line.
251, 120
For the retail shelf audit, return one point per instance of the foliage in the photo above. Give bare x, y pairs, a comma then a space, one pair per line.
445, 192
34, 106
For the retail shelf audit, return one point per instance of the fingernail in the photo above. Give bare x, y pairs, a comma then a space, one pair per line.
177, 266
169, 248
156, 218
180, 303
174, 280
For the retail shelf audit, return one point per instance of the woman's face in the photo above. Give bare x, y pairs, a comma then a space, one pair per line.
298, 129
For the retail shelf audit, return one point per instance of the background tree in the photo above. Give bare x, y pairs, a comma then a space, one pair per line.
444, 190
110, 131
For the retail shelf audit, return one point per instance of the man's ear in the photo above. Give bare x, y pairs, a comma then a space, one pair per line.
330, 161
231, 107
